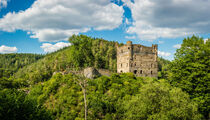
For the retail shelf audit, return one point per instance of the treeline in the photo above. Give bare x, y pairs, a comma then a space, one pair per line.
10, 63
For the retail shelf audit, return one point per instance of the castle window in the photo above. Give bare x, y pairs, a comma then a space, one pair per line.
135, 71
128, 47
151, 72
140, 71
121, 64
135, 64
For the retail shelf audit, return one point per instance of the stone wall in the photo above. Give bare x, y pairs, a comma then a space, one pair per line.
139, 59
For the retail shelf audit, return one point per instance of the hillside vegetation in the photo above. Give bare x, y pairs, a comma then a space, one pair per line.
11, 63
181, 91
85, 52
115, 97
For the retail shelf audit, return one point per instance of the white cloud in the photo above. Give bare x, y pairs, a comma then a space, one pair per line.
169, 18
127, 22
177, 46
164, 54
127, 2
130, 37
3, 4
160, 42
7, 49
47, 47
55, 20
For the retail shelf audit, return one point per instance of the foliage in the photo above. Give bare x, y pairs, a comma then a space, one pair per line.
61, 95
11, 83
15, 105
10, 63
107, 94
115, 97
88, 52
160, 101
84, 52
191, 71
52, 93
163, 68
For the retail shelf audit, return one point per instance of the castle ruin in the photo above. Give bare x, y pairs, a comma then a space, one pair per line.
138, 59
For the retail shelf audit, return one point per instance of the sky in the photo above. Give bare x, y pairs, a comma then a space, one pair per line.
44, 26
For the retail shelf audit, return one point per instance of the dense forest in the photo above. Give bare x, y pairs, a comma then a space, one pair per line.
44, 87
10, 63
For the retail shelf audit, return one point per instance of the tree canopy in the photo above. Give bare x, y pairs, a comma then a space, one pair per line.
190, 71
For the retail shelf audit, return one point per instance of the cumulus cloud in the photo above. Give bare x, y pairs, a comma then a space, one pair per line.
169, 18
55, 20
164, 54
47, 47
177, 46
7, 49
3, 4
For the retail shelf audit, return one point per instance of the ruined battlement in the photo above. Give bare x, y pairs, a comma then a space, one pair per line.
139, 59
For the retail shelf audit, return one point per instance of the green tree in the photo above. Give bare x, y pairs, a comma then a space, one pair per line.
15, 105
191, 71
163, 68
160, 101
10, 63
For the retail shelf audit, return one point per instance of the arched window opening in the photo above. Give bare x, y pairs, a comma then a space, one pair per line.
135, 71
151, 72
141, 72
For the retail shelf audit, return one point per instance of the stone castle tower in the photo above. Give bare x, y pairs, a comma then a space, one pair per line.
139, 59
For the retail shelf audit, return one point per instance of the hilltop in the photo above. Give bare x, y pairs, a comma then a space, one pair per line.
85, 52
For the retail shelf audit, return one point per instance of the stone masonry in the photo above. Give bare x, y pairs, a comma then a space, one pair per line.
138, 59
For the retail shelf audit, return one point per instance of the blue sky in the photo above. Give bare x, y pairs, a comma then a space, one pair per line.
41, 26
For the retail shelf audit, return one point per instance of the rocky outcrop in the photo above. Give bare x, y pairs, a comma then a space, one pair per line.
91, 73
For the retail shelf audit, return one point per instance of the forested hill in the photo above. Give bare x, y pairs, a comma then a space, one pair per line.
85, 52
181, 91
10, 63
